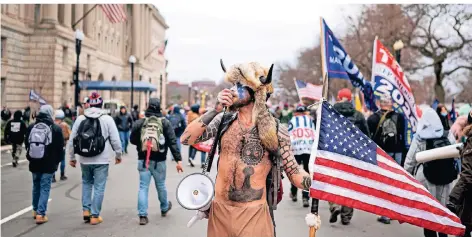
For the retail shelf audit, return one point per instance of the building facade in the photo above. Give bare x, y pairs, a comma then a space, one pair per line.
38, 51
195, 92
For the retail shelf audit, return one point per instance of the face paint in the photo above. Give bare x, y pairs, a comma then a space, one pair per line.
244, 96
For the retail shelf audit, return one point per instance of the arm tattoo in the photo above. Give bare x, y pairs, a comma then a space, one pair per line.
208, 117
289, 163
210, 130
306, 182
185, 141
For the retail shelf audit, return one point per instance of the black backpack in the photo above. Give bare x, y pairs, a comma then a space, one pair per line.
89, 141
443, 171
387, 131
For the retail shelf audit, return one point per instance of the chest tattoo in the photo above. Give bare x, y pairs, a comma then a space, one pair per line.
251, 148
246, 193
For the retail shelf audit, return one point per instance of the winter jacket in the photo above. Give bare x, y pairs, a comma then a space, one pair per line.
15, 129
373, 123
429, 127
461, 194
457, 127
177, 118
54, 151
109, 131
65, 130
354, 116
124, 122
191, 116
169, 135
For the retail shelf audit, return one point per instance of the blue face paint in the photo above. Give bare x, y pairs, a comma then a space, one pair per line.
240, 89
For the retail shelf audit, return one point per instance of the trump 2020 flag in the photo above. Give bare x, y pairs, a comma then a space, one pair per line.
390, 79
338, 64
351, 170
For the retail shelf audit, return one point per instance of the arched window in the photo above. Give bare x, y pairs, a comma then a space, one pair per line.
100, 77
113, 92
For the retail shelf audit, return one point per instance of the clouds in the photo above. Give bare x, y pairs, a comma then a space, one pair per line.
201, 32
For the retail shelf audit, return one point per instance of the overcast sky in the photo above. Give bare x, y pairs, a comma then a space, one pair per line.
201, 32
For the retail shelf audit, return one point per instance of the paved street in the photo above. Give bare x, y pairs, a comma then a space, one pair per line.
120, 215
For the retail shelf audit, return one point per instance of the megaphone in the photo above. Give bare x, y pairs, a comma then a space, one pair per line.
195, 191
445, 152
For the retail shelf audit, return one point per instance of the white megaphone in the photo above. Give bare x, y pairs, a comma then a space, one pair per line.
195, 192
445, 152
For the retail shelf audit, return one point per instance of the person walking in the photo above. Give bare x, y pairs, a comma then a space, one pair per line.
124, 122
15, 131
178, 123
155, 134
44, 144
94, 140
59, 120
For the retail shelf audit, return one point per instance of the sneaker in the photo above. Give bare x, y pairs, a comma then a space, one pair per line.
345, 222
96, 220
191, 163
14, 163
41, 219
293, 197
164, 213
334, 216
86, 215
53, 179
34, 214
384, 220
63, 177
203, 166
143, 220
306, 203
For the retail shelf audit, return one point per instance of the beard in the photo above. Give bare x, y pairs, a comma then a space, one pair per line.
245, 97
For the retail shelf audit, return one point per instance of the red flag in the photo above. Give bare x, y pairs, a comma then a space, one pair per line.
114, 12
351, 170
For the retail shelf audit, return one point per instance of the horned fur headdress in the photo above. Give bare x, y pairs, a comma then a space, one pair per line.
259, 80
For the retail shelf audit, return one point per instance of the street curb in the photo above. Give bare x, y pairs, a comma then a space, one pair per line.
6, 148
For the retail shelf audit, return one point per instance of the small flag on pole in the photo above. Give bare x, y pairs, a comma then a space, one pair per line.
308, 90
351, 170
162, 49
453, 111
114, 12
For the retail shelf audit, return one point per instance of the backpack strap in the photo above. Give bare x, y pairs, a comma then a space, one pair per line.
382, 119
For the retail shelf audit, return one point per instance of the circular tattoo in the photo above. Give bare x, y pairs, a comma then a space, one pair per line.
252, 153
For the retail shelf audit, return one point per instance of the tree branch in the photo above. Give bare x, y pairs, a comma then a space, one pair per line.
444, 74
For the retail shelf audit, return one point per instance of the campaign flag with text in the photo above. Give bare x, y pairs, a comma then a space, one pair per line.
351, 170
338, 64
390, 79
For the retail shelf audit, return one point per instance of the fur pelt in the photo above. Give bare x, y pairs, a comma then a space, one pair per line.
249, 74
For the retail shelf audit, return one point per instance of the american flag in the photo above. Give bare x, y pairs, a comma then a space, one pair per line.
162, 48
308, 90
114, 12
351, 170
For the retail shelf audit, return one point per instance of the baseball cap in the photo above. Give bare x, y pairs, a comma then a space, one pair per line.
300, 108
345, 93
59, 114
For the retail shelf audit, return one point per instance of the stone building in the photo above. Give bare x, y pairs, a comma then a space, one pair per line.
38, 51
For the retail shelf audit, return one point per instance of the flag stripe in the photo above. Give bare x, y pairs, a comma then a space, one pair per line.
114, 12
364, 168
330, 193
378, 189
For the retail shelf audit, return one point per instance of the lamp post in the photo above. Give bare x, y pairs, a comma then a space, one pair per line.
160, 87
397, 47
190, 95
79, 36
132, 61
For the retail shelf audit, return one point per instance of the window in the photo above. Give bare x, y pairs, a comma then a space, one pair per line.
37, 13
112, 48
3, 85
99, 41
64, 91
65, 55
113, 92
105, 44
89, 63
4, 46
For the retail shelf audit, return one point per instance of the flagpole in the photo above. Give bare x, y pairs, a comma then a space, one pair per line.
157, 46
85, 15
298, 91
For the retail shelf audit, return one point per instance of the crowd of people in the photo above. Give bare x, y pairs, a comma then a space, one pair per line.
93, 137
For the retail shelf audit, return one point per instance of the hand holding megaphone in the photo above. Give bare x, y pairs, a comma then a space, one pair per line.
202, 213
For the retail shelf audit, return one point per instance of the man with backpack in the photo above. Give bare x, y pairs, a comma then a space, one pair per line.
152, 136
14, 134
94, 140
436, 175
177, 120
345, 107
387, 129
60, 116
124, 122
44, 145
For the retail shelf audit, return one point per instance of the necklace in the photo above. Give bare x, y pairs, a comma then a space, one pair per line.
244, 133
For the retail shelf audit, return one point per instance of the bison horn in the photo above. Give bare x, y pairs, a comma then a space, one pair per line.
268, 79
222, 65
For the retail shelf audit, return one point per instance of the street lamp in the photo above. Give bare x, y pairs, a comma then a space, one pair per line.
397, 47
190, 95
132, 60
79, 36
160, 86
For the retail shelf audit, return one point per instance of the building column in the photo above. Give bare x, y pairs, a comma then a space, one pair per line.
79, 13
88, 20
50, 13
67, 15
135, 30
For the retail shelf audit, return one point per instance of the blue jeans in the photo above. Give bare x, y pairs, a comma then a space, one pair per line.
93, 176
158, 171
193, 152
124, 137
63, 162
397, 156
41, 188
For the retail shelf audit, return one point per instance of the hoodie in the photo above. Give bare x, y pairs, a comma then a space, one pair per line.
154, 109
177, 121
123, 121
109, 131
354, 116
15, 129
54, 151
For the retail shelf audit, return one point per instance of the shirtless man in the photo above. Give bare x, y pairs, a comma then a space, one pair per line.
240, 207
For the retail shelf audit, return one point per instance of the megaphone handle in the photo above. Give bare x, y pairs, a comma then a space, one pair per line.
192, 221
